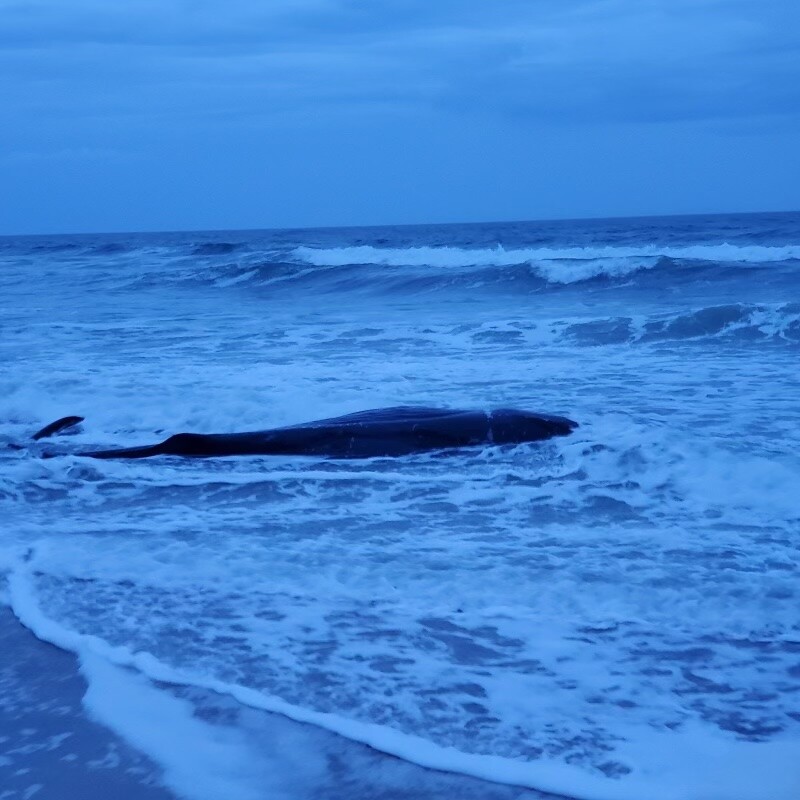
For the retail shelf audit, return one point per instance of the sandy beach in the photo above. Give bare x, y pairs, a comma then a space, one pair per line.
49, 748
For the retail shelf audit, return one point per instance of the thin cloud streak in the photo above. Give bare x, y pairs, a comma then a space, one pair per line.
606, 60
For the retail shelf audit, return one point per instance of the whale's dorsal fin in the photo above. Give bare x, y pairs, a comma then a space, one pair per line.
55, 427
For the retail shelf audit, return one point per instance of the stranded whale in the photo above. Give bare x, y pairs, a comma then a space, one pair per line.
380, 432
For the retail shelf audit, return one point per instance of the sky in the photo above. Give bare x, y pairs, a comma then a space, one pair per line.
128, 115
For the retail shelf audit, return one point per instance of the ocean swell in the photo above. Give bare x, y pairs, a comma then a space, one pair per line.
556, 265
739, 322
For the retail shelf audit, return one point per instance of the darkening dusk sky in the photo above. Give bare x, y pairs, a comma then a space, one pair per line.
120, 115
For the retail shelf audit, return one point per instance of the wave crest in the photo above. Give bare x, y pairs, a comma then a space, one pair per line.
556, 265
740, 321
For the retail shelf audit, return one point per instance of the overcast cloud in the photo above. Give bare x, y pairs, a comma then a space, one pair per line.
138, 114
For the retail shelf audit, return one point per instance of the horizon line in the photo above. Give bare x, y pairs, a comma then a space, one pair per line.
591, 218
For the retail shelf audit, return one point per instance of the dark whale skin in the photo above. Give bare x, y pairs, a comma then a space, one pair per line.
366, 434
56, 427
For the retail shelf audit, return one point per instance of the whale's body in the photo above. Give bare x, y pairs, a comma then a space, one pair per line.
380, 432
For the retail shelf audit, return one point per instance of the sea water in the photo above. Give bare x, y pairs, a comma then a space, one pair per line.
614, 614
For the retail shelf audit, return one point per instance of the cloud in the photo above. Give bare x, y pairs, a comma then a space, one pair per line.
644, 61
568, 61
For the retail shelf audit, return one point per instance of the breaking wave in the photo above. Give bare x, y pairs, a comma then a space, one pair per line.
557, 265
740, 321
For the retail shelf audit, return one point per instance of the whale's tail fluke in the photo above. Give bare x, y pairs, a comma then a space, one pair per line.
57, 426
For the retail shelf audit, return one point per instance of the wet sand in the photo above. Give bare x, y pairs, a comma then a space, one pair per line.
49, 748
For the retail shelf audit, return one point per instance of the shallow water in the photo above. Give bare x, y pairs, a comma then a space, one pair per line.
613, 614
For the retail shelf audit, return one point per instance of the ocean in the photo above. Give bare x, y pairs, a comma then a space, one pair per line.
612, 615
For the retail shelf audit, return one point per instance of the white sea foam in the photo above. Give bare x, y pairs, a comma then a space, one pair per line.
555, 264
201, 760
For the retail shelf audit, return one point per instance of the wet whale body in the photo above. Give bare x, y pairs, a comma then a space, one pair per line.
366, 434
56, 427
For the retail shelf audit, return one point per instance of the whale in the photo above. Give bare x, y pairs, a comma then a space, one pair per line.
395, 431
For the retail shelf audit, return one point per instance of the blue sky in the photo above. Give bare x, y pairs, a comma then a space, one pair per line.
190, 114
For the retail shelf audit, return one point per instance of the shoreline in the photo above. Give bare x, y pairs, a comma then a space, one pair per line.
52, 749
49, 747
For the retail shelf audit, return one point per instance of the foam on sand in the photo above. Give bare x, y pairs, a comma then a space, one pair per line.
693, 764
